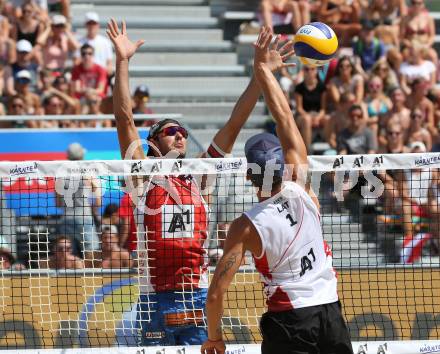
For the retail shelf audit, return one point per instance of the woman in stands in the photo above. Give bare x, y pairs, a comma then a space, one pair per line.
299, 10
27, 26
346, 80
311, 100
57, 41
378, 104
419, 27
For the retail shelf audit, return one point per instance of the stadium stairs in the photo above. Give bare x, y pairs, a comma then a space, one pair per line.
186, 62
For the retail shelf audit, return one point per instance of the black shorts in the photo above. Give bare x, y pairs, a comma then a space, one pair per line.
309, 330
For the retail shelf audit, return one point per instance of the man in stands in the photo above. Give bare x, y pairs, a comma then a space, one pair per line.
87, 76
103, 48
140, 99
173, 274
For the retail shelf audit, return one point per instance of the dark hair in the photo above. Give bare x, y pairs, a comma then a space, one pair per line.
87, 46
110, 209
340, 61
258, 179
354, 107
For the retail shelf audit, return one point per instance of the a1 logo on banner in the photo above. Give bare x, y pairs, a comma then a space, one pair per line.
363, 349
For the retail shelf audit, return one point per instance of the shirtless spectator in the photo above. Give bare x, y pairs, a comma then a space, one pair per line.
299, 10
62, 256
7, 50
22, 87
88, 76
103, 51
62, 89
17, 107
113, 256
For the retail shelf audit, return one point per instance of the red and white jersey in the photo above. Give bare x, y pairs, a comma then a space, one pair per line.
296, 263
173, 234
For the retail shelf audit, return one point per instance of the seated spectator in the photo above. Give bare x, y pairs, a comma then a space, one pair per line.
61, 7
88, 76
310, 98
113, 256
339, 119
389, 78
346, 80
343, 16
416, 67
141, 98
368, 47
398, 113
53, 105
81, 205
25, 61
103, 51
93, 106
419, 27
385, 16
62, 256
62, 87
417, 132
395, 139
27, 26
22, 88
377, 103
418, 99
357, 138
56, 42
8, 55
7, 261
17, 107
299, 12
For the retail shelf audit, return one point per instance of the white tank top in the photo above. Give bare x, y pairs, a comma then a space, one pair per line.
296, 262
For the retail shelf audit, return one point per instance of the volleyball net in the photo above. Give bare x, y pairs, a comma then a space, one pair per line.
77, 259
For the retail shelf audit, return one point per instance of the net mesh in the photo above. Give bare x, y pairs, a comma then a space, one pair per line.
86, 258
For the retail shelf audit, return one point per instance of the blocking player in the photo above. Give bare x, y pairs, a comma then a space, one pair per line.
173, 263
283, 232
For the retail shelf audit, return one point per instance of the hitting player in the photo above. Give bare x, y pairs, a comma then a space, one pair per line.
173, 264
283, 233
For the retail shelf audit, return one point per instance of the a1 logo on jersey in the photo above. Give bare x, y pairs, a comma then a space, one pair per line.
177, 221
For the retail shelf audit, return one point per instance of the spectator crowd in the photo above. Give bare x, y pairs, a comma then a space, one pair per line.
48, 69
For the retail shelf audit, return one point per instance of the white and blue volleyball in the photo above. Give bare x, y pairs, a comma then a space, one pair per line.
315, 44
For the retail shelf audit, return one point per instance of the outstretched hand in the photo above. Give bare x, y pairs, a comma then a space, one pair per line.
124, 47
269, 54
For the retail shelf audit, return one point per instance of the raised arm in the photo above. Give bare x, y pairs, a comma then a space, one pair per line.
294, 149
226, 136
125, 49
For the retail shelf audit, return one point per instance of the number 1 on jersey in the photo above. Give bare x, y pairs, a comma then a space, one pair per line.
292, 222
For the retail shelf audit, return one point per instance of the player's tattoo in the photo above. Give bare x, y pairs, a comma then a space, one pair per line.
229, 263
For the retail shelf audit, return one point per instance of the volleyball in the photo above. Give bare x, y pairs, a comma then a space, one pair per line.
315, 44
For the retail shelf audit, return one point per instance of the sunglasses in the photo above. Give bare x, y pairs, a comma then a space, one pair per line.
17, 105
309, 69
172, 131
83, 54
416, 115
374, 85
394, 133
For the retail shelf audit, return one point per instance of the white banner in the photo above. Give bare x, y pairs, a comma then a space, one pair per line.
208, 166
